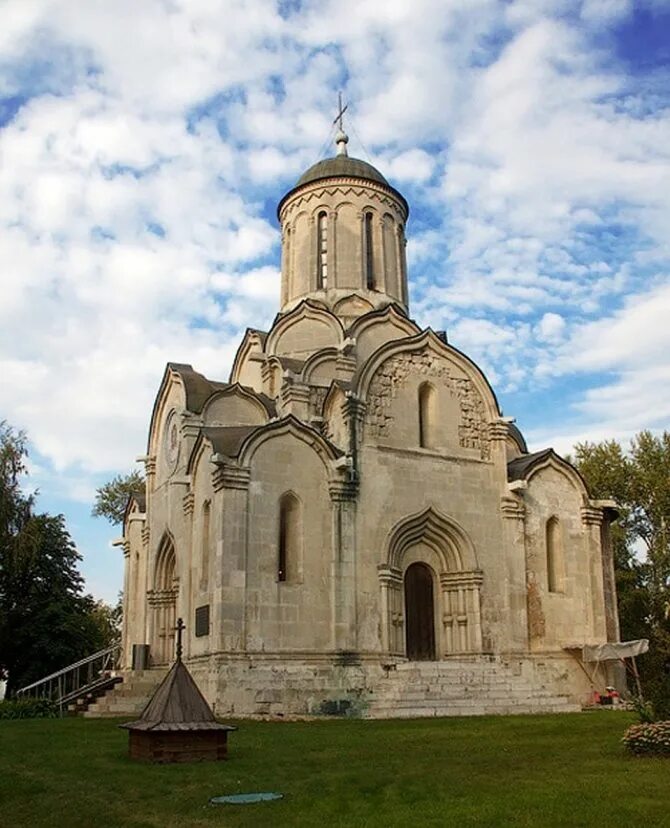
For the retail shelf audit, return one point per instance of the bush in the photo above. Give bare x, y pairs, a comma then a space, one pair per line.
649, 739
645, 710
28, 709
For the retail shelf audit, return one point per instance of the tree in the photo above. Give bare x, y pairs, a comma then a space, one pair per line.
640, 483
112, 498
46, 622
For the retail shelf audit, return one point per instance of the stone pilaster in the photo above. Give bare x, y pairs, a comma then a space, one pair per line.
592, 518
343, 494
230, 532
150, 472
353, 411
392, 610
515, 590
461, 612
294, 398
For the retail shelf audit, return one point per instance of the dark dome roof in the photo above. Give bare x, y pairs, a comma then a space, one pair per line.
341, 165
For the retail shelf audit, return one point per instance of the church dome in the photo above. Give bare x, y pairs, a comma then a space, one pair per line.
341, 166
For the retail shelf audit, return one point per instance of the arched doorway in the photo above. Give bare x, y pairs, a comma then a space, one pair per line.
419, 613
163, 599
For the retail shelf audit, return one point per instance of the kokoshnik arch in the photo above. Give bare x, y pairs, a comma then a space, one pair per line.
350, 520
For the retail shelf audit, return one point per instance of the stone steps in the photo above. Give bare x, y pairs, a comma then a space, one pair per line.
129, 697
468, 688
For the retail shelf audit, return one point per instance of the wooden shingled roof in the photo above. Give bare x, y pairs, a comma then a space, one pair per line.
177, 704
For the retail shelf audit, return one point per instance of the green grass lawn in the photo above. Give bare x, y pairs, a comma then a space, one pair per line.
564, 770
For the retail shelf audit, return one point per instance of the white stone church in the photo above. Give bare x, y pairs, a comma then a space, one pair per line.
349, 524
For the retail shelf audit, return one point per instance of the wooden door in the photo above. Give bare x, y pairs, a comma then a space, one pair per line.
419, 613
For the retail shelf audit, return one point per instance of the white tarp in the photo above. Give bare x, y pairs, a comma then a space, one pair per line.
615, 651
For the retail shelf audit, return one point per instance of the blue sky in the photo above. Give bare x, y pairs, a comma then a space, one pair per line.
143, 148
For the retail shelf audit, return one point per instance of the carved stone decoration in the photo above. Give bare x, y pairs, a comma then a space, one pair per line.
392, 374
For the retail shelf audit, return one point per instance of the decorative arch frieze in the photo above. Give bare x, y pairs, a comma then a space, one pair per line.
438, 541
310, 198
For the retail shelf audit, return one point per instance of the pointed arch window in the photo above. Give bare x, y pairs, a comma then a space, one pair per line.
289, 558
554, 550
205, 541
369, 257
164, 573
427, 415
322, 251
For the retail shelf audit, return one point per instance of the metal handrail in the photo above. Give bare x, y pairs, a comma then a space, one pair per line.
107, 651
68, 682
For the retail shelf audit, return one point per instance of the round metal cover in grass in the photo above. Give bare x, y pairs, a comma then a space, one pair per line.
244, 799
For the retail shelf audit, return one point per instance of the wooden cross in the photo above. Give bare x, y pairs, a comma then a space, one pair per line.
338, 118
180, 629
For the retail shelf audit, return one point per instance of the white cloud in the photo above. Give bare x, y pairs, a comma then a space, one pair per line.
138, 179
551, 327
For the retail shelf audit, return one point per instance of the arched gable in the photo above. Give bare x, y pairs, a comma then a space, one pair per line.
171, 394
352, 307
531, 465
449, 541
297, 429
379, 327
319, 369
429, 343
248, 360
306, 328
235, 406
201, 445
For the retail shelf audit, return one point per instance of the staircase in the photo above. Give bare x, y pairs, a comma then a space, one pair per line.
77, 685
129, 697
463, 688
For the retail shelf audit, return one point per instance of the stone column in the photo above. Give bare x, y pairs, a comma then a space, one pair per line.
592, 518
610, 514
311, 274
362, 246
186, 581
343, 496
228, 612
150, 473
461, 612
392, 608
381, 281
331, 253
129, 604
143, 586
294, 398
285, 263
515, 587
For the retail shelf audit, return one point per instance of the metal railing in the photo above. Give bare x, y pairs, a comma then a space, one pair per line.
64, 686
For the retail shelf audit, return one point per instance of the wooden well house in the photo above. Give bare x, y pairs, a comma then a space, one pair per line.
177, 725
